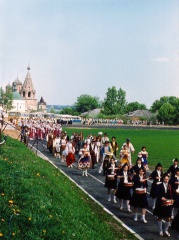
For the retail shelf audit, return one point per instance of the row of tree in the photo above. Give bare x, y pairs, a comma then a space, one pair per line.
166, 108
114, 104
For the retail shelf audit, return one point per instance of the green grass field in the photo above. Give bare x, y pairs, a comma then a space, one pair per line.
162, 145
38, 202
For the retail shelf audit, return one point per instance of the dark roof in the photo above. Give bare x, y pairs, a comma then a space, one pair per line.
139, 113
42, 101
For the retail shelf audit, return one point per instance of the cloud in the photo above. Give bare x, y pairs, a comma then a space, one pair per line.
160, 59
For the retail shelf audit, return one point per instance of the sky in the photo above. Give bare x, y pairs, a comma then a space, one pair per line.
77, 47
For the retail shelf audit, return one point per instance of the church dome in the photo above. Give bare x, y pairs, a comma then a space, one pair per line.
17, 82
17, 96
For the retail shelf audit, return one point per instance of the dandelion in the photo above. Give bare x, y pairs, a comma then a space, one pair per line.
1, 235
38, 174
29, 218
11, 201
2, 194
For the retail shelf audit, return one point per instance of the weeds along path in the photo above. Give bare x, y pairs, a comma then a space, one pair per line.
94, 186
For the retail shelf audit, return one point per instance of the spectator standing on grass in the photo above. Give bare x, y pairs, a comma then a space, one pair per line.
130, 147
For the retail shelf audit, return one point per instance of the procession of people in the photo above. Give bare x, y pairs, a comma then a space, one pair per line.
124, 180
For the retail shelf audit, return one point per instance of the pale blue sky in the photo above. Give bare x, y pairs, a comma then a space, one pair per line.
84, 47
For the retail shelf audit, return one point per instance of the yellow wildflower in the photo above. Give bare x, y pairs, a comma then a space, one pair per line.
1, 235
2, 194
13, 234
50, 216
2, 220
11, 201
29, 218
44, 231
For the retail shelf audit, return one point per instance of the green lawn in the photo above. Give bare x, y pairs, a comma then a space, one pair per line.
162, 145
38, 202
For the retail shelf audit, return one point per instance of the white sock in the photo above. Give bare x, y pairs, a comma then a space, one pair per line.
159, 223
128, 206
172, 211
166, 226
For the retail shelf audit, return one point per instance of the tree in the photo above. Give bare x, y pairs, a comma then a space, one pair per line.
69, 110
85, 103
166, 113
115, 101
133, 106
6, 99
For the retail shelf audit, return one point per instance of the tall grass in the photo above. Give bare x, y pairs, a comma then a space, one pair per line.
38, 202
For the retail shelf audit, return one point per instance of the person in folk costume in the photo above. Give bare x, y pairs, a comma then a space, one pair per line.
139, 196
156, 176
93, 152
162, 209
172, 169
88, 140
144, 155
124, 156
111, 180
79, 144
98, 145
106, 153
139, 165
84, 161
70, 151
175, 225
66, 136
100, 135
124, 189
174, 182
24, 135
114, 145
50, 141
130, 147
57, 147
104, 139
63, 147
53, 145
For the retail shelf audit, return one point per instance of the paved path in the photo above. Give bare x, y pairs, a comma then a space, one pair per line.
94, 185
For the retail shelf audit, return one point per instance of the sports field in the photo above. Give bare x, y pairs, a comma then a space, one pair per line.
162, 145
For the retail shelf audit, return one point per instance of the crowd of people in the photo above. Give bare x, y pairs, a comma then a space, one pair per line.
125, 182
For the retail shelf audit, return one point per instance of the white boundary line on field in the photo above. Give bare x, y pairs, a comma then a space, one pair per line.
105, 209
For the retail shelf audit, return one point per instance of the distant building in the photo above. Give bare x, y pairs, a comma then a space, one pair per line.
24, 98
42, 106
28, 92
138, 114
